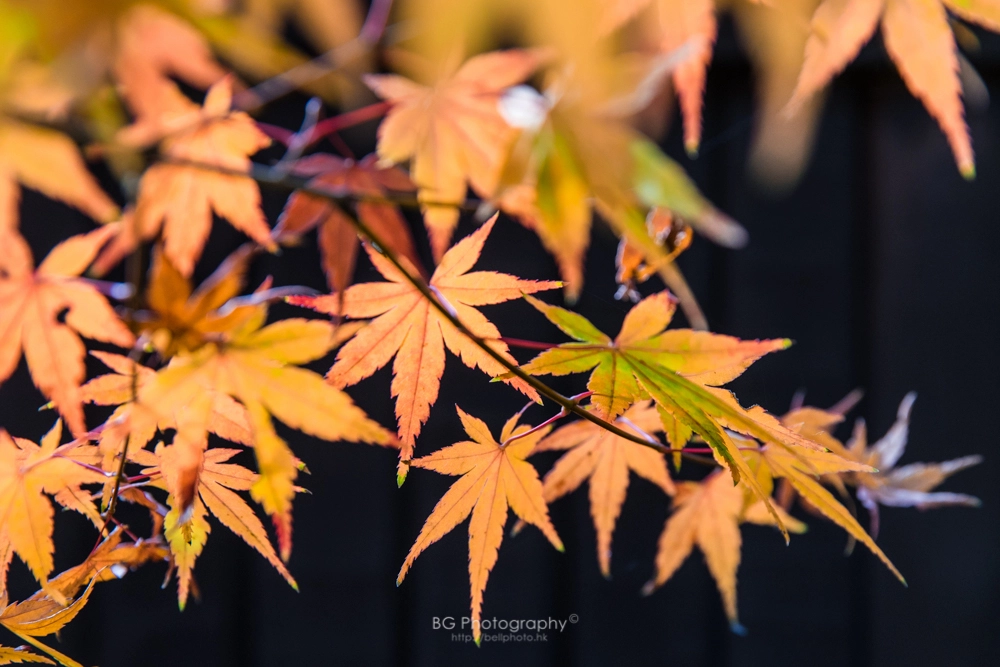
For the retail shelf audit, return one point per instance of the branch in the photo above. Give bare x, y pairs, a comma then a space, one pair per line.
271, 176
263, 174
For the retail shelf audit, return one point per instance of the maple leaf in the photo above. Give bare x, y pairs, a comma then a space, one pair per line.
226, 418
155, 46
18, 655
111, 560
337, 238
801, 469
605, 459
678, 369
675, 24
452, 131
907, 486
407, 327
180, 198
919, 41
708, 514
494, 476
216, 486
255, 365
39, 616
183, 319
28, 472
576, 151
47, 161
42, 311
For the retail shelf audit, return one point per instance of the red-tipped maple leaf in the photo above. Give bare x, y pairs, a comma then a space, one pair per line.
338, 240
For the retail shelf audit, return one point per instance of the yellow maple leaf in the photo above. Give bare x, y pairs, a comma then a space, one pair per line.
216, 486
255, 365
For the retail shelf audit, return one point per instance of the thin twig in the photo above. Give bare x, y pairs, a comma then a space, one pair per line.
526, 344
548, 422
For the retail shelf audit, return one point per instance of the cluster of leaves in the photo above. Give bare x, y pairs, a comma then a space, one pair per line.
204, 363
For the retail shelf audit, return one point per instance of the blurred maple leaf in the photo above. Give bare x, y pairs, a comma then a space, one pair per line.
907, 486
47, 161
337, 238
920, 42
451, 131
180, 198
43, 310
708, 514
494, 476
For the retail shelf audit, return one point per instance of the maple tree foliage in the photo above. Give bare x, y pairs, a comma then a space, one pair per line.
553, 131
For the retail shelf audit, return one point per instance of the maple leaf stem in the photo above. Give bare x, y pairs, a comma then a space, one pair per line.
526, 344
370, 35
348, 119
551, 420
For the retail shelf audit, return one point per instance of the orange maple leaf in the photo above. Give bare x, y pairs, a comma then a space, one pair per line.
49, 162
494, 476
708, 514
678, 23
227, 418
407, 327
216, 486
38, 616
452, 131
27, 472
920, 42
605, 459
31, 307
337, 238
180, 198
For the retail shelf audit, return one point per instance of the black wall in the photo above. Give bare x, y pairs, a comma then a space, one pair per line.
881, 265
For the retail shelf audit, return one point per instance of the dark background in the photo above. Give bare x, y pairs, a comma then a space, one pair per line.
881, 265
